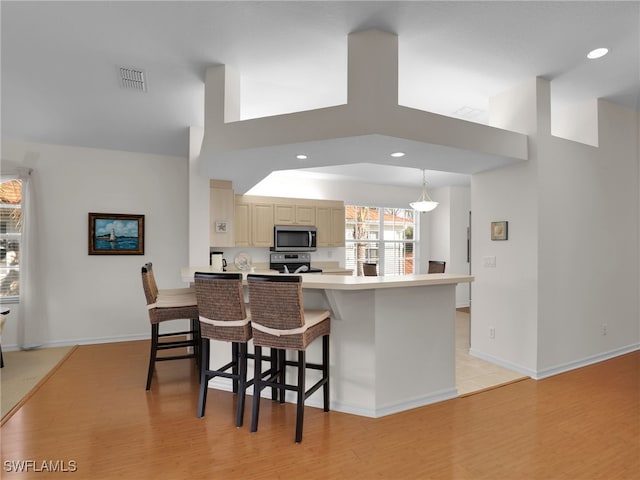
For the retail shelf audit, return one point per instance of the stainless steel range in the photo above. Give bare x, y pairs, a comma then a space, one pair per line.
292, 262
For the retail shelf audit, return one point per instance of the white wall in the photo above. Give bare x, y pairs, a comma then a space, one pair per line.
98, 298
447, 231
589, 244
459, 223
571, 261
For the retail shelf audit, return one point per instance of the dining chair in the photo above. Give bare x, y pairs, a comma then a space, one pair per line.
163, 306
280, 321
436, 266
370, 269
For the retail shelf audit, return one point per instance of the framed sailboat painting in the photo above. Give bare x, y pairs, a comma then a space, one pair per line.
116, 234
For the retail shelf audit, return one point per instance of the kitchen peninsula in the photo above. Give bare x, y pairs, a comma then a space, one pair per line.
392, 339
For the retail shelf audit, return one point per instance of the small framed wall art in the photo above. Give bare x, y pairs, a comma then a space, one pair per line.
221, 226
499, 230
116, 234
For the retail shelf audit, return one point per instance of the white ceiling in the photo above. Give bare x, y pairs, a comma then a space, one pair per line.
60, 61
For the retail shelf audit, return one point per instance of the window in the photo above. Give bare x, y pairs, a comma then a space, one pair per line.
384, 236
10, 228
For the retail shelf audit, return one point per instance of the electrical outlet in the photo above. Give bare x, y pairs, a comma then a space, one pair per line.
492, 333
604, 328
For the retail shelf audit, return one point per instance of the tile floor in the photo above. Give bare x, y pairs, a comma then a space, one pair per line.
474, 374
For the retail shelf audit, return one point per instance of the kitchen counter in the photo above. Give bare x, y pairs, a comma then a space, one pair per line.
327, 280
392, 340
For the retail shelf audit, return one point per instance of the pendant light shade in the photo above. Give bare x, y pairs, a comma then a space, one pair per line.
424, 203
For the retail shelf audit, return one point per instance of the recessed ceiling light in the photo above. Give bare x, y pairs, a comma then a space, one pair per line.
301, 156
597, 53
398, 154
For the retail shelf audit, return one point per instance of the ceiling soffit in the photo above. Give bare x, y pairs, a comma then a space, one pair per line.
368, 128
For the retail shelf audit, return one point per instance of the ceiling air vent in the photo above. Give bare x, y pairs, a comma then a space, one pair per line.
133, 78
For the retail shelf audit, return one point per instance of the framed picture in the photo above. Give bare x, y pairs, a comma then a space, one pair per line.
116, 234
221, 226
499, 230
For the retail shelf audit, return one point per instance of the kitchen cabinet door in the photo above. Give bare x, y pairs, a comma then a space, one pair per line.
291, 214
284, 214
305, 215
331, 224
323, 222
337, 227
242, 225
262, 224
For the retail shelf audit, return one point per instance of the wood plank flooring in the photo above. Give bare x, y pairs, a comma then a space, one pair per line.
95, 412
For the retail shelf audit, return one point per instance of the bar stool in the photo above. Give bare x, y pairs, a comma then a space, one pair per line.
163, 306
279, 321
224, 317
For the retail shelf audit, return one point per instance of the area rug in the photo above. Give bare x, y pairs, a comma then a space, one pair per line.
23, 371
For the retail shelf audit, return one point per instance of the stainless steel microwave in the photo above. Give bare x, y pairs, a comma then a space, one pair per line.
294, 238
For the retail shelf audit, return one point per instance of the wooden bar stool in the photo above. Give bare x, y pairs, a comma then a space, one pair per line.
279, 321
166, 305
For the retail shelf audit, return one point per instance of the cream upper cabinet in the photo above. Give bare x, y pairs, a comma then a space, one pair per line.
253, 223
243, 225
323, 222
255, 217
293, 214
337, 226
330, 222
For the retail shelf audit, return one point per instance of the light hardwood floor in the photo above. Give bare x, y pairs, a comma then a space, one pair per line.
95, 412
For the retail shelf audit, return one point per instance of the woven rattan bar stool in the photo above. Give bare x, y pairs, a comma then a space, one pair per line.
224, 317
279, 321
163, 306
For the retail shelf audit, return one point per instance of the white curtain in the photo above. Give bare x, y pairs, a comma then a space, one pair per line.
31, 316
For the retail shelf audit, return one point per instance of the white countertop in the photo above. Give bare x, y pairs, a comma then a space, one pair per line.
343, 282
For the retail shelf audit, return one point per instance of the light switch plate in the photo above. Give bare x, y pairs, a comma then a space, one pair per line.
489, 261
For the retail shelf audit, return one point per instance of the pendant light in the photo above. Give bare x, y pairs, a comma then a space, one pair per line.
424, 203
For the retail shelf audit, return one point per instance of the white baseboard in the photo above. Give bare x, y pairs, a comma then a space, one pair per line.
81, 341
551, 371
601, 357
503, 363
373, 412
